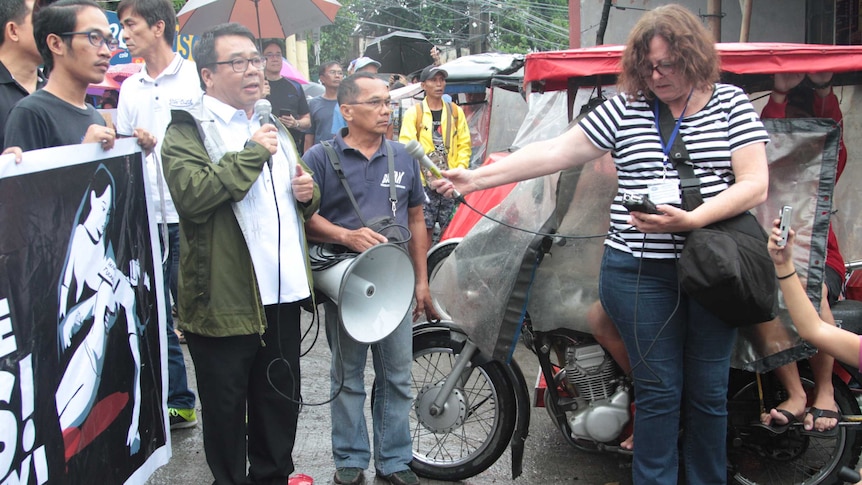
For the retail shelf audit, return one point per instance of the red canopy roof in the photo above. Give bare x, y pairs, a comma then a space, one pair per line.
556, 67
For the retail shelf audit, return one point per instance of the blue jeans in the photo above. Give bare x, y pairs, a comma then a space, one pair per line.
179, 395
680, 355
390, 410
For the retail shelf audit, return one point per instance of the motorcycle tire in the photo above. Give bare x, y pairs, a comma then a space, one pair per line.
478, 420
757, 456
436, 256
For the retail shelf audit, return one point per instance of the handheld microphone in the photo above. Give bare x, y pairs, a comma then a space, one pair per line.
263, 110
414, 148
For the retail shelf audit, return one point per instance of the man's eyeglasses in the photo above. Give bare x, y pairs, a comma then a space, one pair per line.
96, 38
335, 73
665, 68
240, 64
374, 103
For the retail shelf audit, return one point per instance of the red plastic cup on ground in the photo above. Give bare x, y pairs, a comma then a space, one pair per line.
300, 479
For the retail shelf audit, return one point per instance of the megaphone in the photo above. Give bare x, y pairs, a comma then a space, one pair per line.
373, 290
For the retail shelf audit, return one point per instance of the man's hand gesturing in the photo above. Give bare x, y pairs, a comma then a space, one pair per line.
302, 185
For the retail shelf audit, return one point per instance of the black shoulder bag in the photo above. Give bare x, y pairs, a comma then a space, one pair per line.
724, 266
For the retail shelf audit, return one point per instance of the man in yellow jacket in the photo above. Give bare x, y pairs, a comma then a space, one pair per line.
441, 128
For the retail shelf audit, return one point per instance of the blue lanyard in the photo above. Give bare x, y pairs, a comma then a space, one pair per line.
665, 148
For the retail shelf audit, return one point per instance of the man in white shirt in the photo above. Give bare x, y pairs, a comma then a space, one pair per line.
166, 82
243, 195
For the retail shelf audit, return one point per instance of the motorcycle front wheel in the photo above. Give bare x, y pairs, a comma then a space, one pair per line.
476, 422
757, 456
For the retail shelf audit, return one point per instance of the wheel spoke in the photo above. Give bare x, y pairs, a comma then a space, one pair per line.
471, 433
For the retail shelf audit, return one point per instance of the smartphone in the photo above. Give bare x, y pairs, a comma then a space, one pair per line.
784, 224
285, 112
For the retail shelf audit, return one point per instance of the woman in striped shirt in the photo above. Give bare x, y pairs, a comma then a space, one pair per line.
679, 352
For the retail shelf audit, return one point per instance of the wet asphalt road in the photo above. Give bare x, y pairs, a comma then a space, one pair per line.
548, 459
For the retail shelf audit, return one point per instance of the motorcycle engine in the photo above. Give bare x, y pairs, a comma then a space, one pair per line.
603, 398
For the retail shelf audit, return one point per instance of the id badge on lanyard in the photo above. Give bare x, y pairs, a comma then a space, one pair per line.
667, 191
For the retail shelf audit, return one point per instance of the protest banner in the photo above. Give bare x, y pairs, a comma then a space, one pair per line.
82, 329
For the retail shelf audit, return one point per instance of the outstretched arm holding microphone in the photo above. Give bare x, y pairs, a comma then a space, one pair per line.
567, 150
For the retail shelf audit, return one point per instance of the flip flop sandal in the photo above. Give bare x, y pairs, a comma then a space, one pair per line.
818, 413
780, 428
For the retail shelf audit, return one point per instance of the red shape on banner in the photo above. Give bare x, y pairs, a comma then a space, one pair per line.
101, 416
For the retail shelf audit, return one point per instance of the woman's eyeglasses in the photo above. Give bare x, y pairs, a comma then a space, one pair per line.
665, 68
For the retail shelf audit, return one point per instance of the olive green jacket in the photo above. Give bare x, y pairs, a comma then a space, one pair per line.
217, 289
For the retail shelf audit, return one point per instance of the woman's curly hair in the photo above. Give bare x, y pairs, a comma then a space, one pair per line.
691, 49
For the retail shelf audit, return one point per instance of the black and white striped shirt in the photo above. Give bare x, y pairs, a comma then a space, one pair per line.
628, 129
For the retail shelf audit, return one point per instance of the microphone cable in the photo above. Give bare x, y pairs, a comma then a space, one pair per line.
641, 354
545, 234
277, 322
318, 261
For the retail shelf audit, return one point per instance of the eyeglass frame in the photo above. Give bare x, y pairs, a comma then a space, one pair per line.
248, 62
373, 103
111, 42
333, 72
665, 68
271, 56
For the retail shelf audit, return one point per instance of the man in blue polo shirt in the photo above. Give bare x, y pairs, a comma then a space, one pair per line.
364, 155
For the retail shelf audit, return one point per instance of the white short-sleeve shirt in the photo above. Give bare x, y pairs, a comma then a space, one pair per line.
147, 103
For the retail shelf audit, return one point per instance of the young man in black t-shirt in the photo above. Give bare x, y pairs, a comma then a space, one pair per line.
287, 98
77, 52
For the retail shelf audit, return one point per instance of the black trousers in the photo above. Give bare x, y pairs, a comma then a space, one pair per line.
240, 374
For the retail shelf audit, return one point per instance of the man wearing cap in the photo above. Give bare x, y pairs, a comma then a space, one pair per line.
441, 128
360, 64
363, 64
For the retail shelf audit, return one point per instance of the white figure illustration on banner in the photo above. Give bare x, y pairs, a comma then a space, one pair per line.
94, 294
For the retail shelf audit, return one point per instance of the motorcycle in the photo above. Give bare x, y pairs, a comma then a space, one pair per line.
471, 397
469, 408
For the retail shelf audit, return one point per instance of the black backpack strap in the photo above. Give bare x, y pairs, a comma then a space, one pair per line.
335, 161
689, 183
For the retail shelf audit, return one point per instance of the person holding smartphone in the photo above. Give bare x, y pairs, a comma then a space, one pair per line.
800, 95
287, 98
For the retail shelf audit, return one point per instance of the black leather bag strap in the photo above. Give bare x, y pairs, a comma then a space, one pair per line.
689, 183
335, 161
